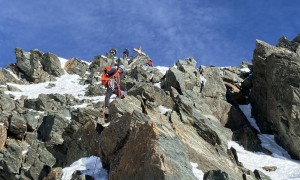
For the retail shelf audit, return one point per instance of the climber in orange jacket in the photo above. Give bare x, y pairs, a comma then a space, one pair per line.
111, 80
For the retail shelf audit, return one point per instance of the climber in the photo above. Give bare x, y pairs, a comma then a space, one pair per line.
111, 54
113, 51
125, 54
149, 63
202, 80
112, 84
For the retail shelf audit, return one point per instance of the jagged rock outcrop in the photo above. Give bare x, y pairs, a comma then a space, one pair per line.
38, 67
293, 45
160, 156
275, 94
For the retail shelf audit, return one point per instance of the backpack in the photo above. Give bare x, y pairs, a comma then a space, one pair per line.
105, 76
110, 80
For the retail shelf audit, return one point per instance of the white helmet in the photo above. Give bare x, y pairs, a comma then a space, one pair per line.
122, 67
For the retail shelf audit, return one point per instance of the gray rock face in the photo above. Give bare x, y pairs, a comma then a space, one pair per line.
276, 94
29, 63
35, 166
160, 156
260, 85
6, 76
52, 65
217, 175
186, 65
95, 90
75, 66
186, 77
140, 74
293, 45
38, 67
152, 95
11, 157
23, 61
17, 125
3, 135
6, 103
52, 129
85, 142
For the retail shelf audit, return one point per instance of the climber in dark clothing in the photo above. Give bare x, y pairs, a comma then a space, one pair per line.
113, 86
125, 54
111, 53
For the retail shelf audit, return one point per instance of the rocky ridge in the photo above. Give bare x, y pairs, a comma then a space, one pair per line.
40, 136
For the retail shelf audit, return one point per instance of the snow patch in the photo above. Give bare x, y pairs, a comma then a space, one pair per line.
66, 84
88, 165
162, 69
246, 109
198, 173
245, 70
286, 168
163, 109
158, 85
63, 62
13, 74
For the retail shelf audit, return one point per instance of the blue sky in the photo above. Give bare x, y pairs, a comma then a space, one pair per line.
214, 32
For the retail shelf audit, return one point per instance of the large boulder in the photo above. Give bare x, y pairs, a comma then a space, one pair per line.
75, 66
37, 167
11, 157
6, 103
152, 95
51, 64
52, 129
17, 125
